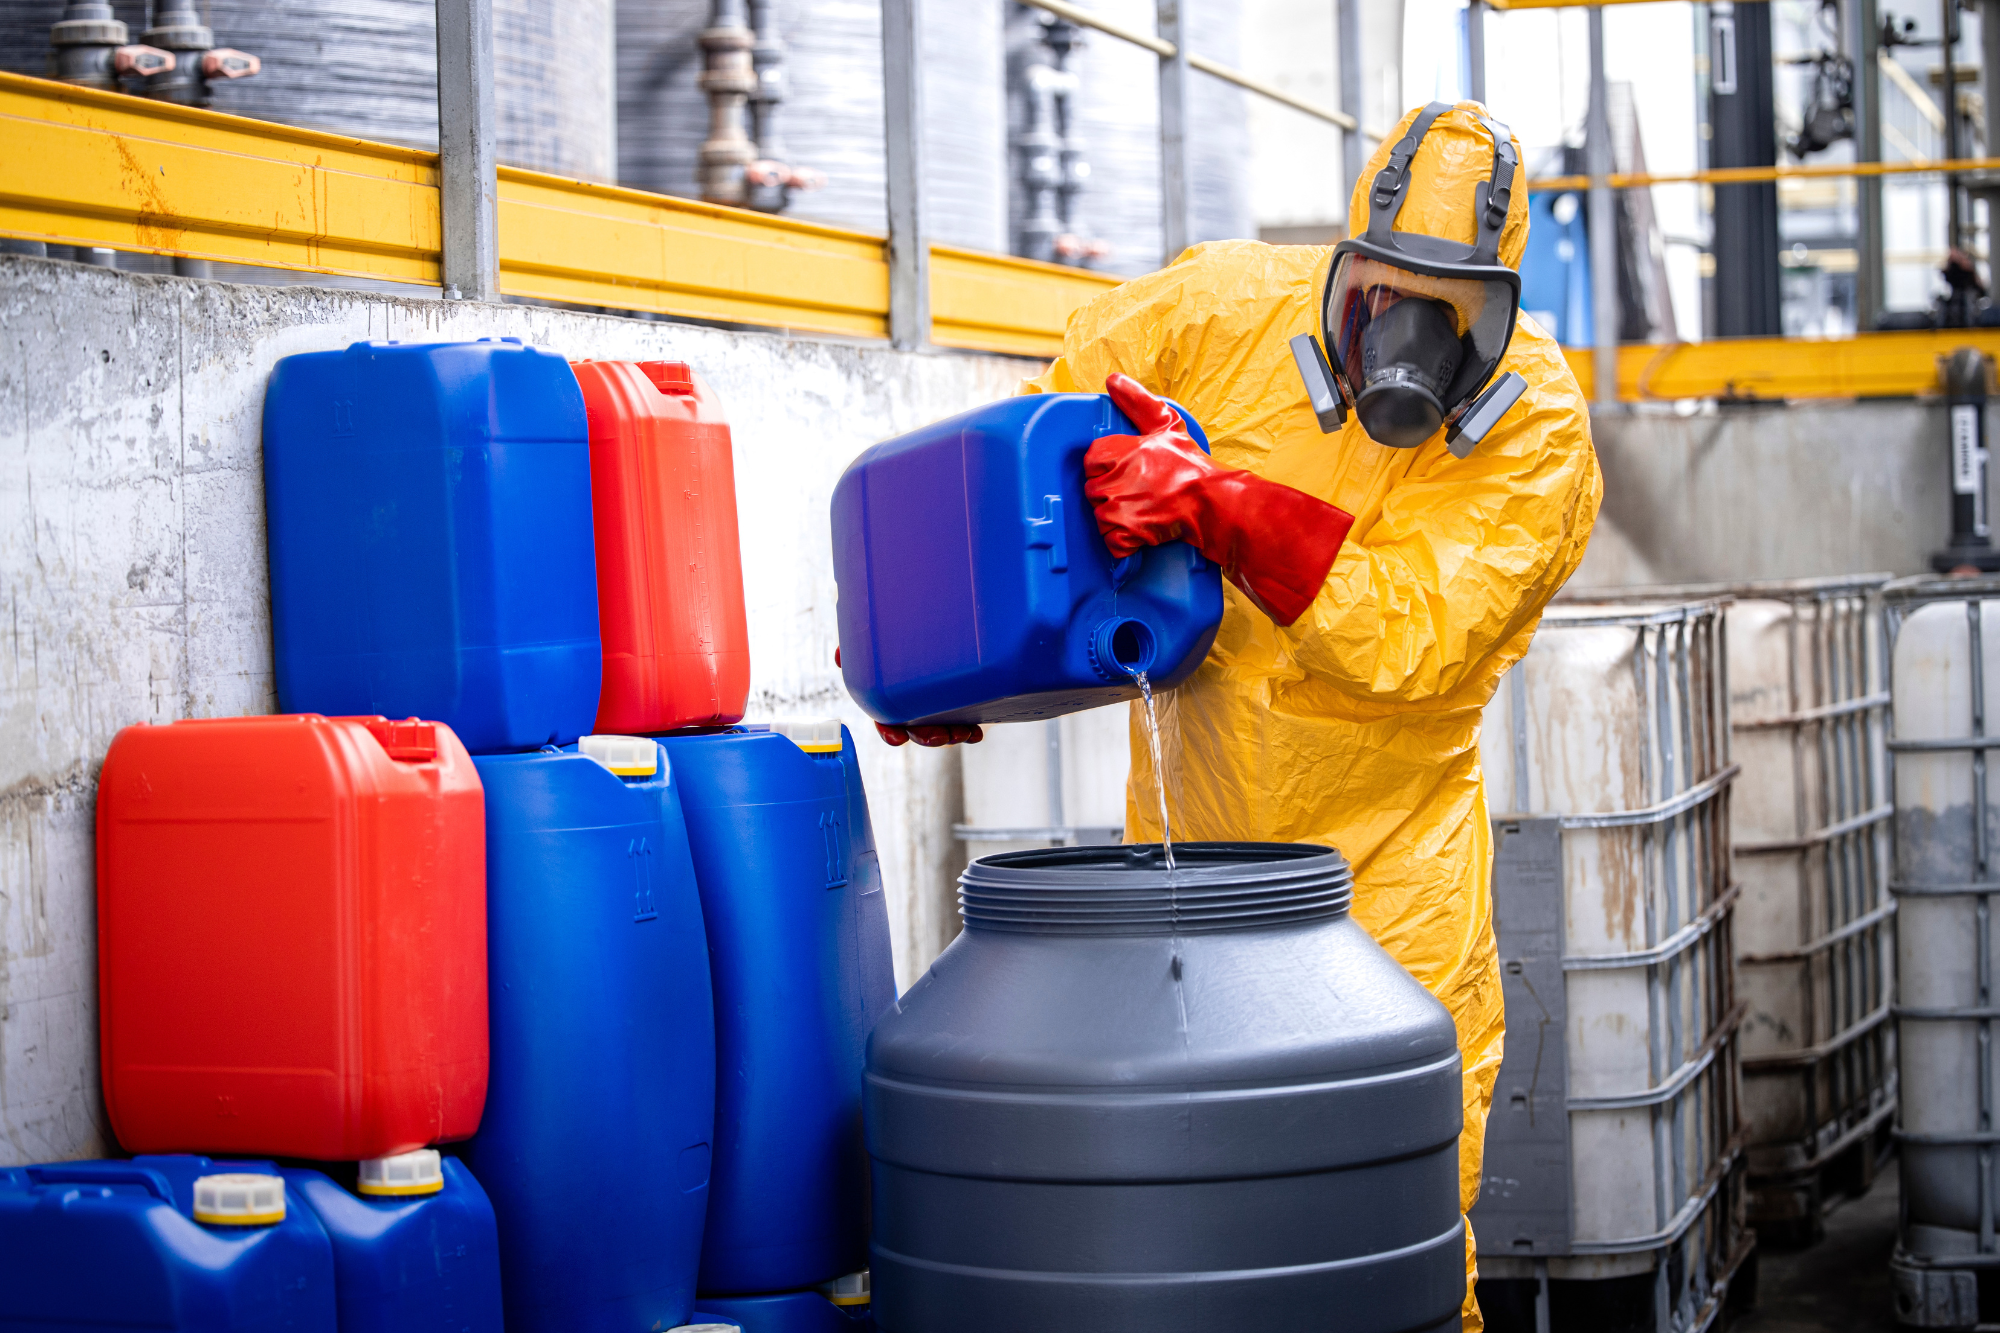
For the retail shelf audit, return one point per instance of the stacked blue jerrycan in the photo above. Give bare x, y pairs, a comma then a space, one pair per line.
974, 586
596, 1143
432, 552
185, 1242
104, 1245
798, 936
414, 1249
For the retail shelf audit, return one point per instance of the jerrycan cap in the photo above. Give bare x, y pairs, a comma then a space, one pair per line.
854, 1289
406, 1173
670, 377
409, 741
813, 735
627, 756
239, 1199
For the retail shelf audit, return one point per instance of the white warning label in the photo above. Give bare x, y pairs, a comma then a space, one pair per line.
1966, 449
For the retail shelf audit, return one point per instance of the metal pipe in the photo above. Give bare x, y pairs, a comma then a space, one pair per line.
1353, 150
1948, 47
1475, 50
1176, 221
1603, 222
1169, 49
178, 28
468, 164
92, 48
1868, 290
728, 78
903, 120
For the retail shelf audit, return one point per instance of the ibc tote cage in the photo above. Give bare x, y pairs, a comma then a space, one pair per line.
1809, 705
1938, 1264
1560, 1131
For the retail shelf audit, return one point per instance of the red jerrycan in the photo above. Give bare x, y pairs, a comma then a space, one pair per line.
669, 572
291, 937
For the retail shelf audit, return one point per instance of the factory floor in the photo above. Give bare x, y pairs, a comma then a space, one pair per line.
1840, 1285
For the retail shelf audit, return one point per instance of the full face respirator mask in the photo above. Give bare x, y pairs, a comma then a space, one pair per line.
1414, 326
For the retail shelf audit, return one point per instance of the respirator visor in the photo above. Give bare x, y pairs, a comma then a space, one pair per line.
1411, 347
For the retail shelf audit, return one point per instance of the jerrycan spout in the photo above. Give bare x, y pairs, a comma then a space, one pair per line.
1121, 648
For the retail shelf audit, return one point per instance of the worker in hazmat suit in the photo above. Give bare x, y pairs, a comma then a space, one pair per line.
1386, 572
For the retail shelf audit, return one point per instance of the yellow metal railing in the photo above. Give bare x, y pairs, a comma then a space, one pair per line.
80, 167
1868, 365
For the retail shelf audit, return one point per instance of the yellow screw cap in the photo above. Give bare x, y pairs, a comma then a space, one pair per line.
419, 1172
239, 1199
627, 756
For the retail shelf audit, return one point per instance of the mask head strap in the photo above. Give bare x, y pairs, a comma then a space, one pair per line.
1392, 182
1490, 198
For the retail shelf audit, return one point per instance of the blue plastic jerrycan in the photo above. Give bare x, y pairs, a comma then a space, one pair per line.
600, 1108
974, 586
423, 1261
104, 1245
432, 553
798, 935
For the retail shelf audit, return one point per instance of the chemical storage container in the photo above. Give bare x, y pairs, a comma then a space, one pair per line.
116, 1245
669, 573
595, 1149
291, 937
1613, 1169
1944, 676
1809, 821
974, 586
799, 941
414, 1252
1141, 1101
430, 534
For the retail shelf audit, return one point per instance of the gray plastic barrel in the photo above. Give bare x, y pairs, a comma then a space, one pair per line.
1121, 1104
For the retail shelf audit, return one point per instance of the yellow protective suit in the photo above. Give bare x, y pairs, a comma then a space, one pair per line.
1358, 725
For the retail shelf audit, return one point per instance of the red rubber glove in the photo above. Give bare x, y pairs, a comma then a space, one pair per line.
1273, 542
931, 736
927, 736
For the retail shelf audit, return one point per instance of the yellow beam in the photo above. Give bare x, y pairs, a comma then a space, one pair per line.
998, 303
81, 167
1755, 175
1868, 365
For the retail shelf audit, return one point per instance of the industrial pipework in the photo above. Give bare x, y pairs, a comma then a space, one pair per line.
177, 27
1051, 161
94, 49
744, 69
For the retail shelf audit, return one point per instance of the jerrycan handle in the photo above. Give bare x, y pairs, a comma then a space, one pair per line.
107, 1173
408, 741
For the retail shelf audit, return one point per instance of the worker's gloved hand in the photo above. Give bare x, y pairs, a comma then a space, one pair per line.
1273, 542
931, 736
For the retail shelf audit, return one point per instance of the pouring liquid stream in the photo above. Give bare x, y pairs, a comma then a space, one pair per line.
1159, 774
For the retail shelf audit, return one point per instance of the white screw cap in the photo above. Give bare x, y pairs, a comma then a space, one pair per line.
627, 756
419, 1172
813, 735
854, 1289
239, 1199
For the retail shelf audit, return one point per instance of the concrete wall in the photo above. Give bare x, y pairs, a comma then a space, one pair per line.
1769, 492
132, 559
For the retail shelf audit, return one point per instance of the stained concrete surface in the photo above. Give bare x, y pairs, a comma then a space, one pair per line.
1840, 1285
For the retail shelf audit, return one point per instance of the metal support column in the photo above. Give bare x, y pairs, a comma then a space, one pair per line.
468, 166
1353, 148
1176, 219
1475, 50
903, 120
1603, 227
1867, 38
